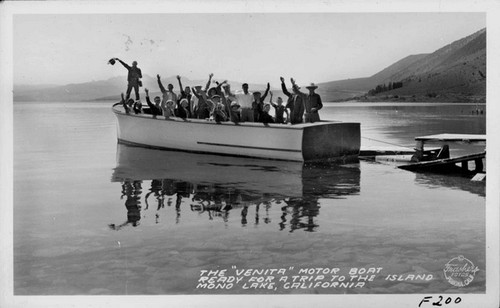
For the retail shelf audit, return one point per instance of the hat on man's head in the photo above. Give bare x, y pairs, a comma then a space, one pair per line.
312, 86
215, 96
235, 104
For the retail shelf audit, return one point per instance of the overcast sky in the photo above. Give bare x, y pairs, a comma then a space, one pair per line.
255, 48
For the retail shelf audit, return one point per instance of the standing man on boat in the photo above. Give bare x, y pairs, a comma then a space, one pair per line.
245, 99
133, 78
167, 95
202, 109
186, 94
296, 101
313, 104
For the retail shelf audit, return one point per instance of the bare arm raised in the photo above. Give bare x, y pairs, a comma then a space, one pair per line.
162, 88
123, 63
180, 85
265, 93
209, 81
283, 87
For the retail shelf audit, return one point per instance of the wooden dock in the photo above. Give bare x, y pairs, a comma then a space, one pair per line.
453, 138
432, 161
449, 165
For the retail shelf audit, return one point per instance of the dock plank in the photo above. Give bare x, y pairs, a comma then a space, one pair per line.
453, 137
440, 163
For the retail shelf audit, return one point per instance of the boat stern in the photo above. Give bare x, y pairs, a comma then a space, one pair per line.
337, 142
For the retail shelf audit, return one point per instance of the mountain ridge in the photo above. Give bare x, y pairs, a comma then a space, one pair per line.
454, 72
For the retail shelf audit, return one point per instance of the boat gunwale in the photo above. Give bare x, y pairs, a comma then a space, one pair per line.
300, 126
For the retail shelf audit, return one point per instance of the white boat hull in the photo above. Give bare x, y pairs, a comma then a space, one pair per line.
331, 141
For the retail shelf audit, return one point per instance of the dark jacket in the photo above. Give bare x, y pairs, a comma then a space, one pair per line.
155, 111
279, 111
134, 73
266, 118
182, 113
296, 104
313, 101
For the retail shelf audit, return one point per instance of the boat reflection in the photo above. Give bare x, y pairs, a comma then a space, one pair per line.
227, 187
132, 190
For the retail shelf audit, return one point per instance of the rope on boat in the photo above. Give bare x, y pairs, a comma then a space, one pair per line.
402, 146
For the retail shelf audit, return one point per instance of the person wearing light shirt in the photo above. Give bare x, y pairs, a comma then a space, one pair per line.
245, 100
167, 95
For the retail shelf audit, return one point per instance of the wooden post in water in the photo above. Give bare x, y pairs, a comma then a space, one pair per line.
465, 165
419, 151
479, 165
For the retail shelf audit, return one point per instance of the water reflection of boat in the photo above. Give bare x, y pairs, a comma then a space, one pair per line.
217, 185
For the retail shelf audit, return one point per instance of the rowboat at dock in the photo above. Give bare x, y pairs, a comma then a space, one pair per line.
321, 141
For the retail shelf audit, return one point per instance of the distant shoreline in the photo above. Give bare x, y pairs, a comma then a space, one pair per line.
110, 101
418, 99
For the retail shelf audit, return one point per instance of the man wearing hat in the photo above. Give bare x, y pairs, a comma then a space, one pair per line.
133, 78
313, 104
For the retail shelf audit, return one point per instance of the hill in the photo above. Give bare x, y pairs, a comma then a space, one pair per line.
455, 72
349, 88
100, 90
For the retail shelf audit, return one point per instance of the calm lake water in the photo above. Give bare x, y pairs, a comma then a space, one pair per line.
94, 217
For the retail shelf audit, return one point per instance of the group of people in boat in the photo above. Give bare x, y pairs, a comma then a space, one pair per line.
220, 104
